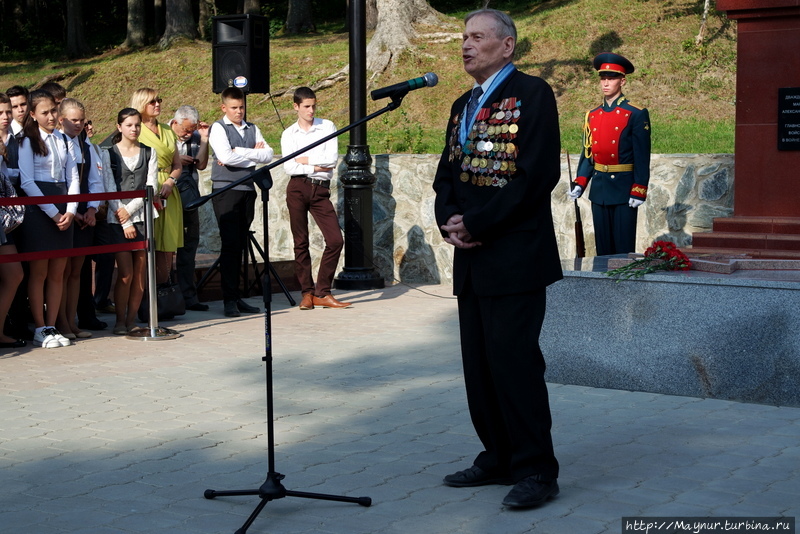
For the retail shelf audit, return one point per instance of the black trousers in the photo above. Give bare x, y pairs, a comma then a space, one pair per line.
504, 375
104, 264
185, 257
614, 228
235, 211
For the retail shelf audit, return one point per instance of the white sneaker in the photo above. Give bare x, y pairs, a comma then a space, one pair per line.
64, 341
45, 338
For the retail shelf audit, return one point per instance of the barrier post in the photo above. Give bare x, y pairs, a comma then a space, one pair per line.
153, 332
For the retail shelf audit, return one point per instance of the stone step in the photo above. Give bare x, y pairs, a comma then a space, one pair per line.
747, 240
699, 251
767, 225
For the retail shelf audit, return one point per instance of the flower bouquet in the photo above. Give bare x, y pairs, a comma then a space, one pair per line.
660, 256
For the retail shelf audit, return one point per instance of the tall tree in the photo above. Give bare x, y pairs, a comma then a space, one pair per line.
253, 7
136, 35
179, 22
76, 38
299, 17
159, 17
207, 10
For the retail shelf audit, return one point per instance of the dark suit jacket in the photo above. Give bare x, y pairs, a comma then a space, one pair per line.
514, 222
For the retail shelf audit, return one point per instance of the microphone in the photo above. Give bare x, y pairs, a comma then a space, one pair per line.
429, 80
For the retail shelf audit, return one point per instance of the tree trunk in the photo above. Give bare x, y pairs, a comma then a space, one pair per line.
179, 22
395, 29
136, 36
76, 38
252, 7
207, 10
159, 19
299, 17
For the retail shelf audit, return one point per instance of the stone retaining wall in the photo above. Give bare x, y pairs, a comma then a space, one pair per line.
686, 192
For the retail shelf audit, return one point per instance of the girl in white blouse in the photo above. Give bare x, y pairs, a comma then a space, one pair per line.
133, 167
46, 167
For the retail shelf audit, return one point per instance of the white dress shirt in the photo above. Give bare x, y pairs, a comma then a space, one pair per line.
95, 167
237, 156
55, 168
325, 155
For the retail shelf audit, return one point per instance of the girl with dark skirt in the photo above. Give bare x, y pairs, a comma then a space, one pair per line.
133, 167
46, 168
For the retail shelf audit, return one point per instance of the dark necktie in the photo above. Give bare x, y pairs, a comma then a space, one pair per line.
473, 102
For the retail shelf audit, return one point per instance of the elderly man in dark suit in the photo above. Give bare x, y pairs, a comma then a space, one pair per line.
493, 185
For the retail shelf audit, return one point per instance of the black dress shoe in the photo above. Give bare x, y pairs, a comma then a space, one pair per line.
474, 476
18, 344
197, 306
230, 309
97, 324
530, 492
245, 307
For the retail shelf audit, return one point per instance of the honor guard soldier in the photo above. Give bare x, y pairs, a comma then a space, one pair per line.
616, 158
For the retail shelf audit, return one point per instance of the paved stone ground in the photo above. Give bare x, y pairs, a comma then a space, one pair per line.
117, 436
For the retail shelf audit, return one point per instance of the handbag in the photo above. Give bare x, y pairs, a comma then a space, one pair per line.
10, 216
169, 302
188, 190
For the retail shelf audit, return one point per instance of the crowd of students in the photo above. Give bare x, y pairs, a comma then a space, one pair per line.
45, 150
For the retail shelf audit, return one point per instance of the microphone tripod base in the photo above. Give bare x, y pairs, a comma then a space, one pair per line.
272, 489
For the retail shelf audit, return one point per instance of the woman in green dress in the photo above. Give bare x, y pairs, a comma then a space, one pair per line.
169, 225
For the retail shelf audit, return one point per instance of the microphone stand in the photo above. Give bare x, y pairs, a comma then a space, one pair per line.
272, 488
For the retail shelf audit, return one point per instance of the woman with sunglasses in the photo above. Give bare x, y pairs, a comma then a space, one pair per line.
160, 137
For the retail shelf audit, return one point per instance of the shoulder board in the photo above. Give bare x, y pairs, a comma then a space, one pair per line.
631, 104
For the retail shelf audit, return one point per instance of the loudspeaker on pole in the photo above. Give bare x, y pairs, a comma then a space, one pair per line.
240, 53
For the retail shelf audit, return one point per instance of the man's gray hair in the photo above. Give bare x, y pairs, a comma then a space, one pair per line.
187, 112
504, 25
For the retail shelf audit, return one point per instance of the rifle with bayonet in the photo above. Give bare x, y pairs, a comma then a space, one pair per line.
580, 244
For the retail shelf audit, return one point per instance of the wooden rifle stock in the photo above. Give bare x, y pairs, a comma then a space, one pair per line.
580, 244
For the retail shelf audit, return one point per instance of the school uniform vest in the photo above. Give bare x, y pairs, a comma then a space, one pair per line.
222, 175
126, 179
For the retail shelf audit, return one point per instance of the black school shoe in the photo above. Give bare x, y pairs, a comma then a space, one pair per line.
245, 307
530, 492
474, 476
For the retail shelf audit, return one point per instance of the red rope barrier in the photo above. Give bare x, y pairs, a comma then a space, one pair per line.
70, 252
58, 199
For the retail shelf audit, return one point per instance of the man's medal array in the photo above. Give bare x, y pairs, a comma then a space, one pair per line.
489, 155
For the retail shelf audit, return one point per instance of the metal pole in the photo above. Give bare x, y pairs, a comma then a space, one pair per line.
358, 181
153, 332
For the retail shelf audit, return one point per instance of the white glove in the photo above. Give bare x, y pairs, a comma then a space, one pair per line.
575, 192
635, 202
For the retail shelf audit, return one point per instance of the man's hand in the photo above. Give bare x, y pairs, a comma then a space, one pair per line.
203, 128
302, 160
575, 193
635, 202
458, 236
